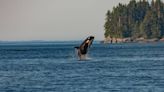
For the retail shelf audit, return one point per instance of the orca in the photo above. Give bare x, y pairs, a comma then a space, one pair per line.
83, 48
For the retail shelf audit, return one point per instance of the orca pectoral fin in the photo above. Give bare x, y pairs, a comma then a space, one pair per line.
77, 47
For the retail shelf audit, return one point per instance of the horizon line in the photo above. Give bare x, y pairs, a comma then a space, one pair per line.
41, 40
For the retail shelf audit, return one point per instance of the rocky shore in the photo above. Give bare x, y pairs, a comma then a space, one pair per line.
129, 40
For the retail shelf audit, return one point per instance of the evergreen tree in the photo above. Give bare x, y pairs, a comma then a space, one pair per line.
136, 19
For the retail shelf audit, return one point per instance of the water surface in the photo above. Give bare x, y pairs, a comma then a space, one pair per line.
54, 67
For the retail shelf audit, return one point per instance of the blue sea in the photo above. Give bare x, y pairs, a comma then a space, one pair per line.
54, 67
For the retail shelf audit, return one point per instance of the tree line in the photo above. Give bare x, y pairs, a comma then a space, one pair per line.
135, 20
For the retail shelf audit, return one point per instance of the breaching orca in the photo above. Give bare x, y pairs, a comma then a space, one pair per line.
83, 48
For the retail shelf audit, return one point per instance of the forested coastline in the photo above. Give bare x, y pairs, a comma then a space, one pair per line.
135, 20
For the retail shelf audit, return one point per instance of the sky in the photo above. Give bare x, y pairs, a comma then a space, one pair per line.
53, 20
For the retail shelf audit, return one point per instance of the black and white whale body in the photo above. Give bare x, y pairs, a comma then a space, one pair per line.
83, 48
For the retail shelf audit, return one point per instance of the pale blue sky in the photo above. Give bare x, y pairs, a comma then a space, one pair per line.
53, 19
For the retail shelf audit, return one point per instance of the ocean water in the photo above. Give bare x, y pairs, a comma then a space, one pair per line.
54, 67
